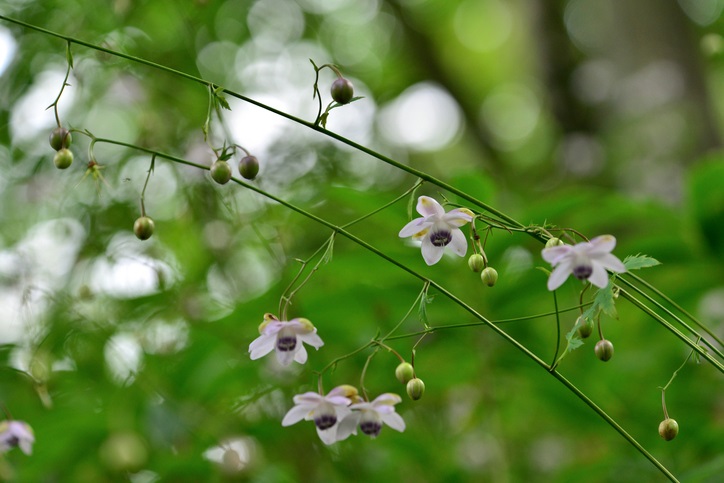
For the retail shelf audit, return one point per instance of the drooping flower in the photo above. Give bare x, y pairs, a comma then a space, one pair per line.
285, 338
369, 416
325, 411
16, 434
437, 229
586, 261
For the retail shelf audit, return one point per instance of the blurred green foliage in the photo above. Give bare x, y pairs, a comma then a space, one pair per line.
129, 359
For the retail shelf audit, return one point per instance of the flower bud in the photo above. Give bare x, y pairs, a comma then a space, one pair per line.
476, 262
553, 242
342, 90
221, 171
249, 167
668, 429
63, 158
604, 349
404, 372
415, 388
60, 138
489, 276
143, 228
585, 327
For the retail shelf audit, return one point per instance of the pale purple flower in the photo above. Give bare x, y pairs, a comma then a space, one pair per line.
586, 261
285, 338
370, 416
325, 411
437, 229
16, 434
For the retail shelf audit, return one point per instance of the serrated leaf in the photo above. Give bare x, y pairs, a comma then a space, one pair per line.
574, 342
635, 262
605, 302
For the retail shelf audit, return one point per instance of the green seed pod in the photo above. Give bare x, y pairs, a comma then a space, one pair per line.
60, 138
342, 90
143, 228
668, 429
476, 262
415, 388
489, 276
221, 171
604, 350
585, 327
249, 167
404, 372
554, 242
63, 158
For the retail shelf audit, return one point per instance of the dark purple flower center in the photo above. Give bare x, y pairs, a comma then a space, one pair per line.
12, 441
440, 238
325, 420
287, 343
370, 428
582, 272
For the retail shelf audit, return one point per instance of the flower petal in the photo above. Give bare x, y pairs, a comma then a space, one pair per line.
414, 227
430, 252
559, 274
312, 339
262, 345
599, 276
394, 421
286, 357
601, 244
427, 206
300, 354
296, 414
328, 436
459, 244
388, 398
348, 426
457, 217
554, 255
610, 262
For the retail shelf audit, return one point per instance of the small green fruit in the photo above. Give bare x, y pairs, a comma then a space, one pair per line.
342, 90
221, 171
249, 167
554, 242
476, 262
143, 228
604, 350
404, 372
415, 388
63, 158
668, 429
60, 138
585, 327
489, 276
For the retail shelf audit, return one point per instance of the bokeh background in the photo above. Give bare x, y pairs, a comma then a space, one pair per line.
129, 359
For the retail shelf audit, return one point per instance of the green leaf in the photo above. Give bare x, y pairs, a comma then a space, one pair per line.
327, 255
220, 99
634, 262
574, 342
422, 311
605, 302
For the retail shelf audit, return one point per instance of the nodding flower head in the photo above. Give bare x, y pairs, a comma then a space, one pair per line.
285, 339
586, 261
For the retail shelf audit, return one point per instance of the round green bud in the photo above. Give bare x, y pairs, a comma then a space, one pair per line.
63, 158
404, 372
342, 90
143, 228
476, 262
604, 350
415, 388
668, 429
249, 167
489, 276
585, 327
60, 138
221, 171
553, 242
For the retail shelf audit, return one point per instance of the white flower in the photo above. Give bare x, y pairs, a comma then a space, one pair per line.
370, 416
438, 229
325, 411
285, 338
586, 261
16, 434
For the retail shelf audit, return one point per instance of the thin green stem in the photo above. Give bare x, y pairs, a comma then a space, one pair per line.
558, 332
423, 293
145, 185
417, 184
